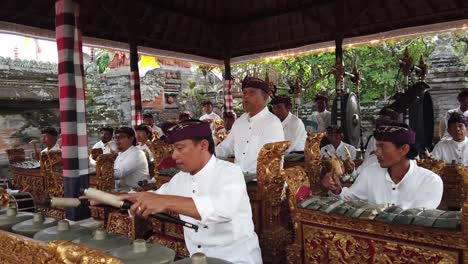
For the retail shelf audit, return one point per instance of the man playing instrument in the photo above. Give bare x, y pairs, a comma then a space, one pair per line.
294, 129
454, 149
397, 179
207, 191
106, 144
50, 139
255, 128
131, 165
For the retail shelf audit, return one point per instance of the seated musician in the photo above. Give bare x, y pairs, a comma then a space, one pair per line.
319, 120
228, 118
255, 128
338, 147
386, 115
293, 127
456, 147
50, 139
106, 144
131, 165
209, 192
143, 133
149, 121
462, 109
208, 110
397, 179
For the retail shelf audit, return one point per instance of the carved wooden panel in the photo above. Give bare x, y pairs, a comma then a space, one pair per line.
17, 249
327, 246
105, 172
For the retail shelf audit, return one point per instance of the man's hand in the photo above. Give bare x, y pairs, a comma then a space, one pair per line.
147, 203
332, 182
349, 166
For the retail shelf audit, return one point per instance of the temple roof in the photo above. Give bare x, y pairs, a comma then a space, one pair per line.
215, 30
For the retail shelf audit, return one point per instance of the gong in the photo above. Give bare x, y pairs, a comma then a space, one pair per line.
421, 121
350, 118
418, 102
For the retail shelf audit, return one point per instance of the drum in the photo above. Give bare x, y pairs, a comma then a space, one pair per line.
23, 202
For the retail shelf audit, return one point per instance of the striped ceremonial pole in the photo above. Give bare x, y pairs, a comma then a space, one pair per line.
135, 98
227, 88
72, 103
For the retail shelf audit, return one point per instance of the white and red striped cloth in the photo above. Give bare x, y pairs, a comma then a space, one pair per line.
135, 97
228, 96
71, 87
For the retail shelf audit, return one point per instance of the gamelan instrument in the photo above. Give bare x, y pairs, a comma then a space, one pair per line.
113, 200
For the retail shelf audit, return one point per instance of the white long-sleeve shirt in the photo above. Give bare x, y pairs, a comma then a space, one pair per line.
54, 148
226, 228
144, 148
340, 151
449, 150
158, 129
247, 137
319, 121
130, 167
106, 149
294, 132
418, 188
211, 115
447, 116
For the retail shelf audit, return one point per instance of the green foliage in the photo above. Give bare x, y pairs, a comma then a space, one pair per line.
191, 99
379, 66
103, 59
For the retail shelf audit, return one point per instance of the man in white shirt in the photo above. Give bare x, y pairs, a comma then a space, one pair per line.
397, 179
106, 144
337, 146
208, 192
50, 139
386, 115
293, 127
320, 119
454, 149
463, 110
255, 128
208, 109
131, 165
143, 133
149, 121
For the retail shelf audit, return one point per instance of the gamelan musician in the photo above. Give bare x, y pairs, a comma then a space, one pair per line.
397, 179
454, 148
207, 191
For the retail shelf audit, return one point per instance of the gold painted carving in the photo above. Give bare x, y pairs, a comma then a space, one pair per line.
16, 155
274, 233
313, 163
325, 246
105, 172
161, 150
17, 249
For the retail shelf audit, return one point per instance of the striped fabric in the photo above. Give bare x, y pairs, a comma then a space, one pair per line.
71, 85
228, 96
135, 98
72, 102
